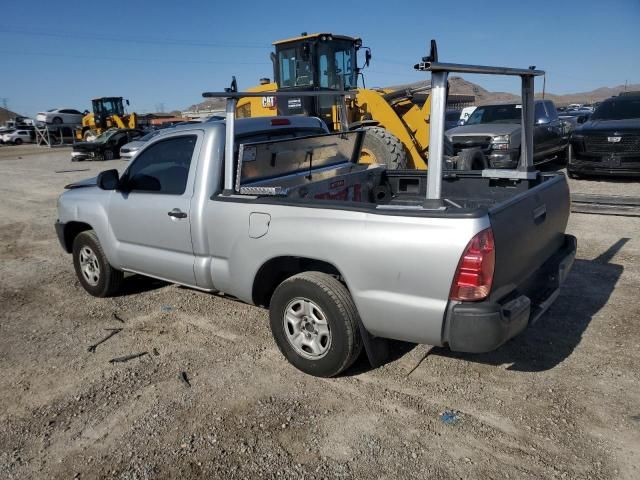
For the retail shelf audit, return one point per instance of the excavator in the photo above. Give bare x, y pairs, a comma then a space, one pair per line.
396, 119
108, 112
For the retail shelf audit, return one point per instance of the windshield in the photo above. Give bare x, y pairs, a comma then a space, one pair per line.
618, 109
337, 65
149, 136
495, 114
104, 136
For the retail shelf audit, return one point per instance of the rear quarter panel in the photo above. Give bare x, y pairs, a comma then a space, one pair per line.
398, 269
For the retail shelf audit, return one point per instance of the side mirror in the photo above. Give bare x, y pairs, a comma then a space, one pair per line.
127, 102
367, 57
108, 180
583, 119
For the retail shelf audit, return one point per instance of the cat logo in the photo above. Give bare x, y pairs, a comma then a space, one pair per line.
268, 102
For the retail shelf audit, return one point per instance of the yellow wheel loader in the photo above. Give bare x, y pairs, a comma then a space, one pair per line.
108, 112
396, 119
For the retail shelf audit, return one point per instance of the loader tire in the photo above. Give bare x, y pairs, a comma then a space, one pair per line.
382, 146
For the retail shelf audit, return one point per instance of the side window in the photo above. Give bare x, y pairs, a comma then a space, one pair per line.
551, 110
163, 167
541, 115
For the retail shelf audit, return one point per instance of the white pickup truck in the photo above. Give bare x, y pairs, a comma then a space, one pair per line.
280, 214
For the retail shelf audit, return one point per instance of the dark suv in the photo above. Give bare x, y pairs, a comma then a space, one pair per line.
609, 143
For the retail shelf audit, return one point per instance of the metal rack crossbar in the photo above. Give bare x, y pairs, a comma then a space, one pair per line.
439, 76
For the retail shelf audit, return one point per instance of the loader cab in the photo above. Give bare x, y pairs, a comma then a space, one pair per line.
105, 108
320, 61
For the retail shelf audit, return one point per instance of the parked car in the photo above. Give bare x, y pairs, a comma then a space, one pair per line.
128, 150
465, 114
574, 117
295, 224
496, 130
59, 116
106, 146
451, 119
18, 136
609, 142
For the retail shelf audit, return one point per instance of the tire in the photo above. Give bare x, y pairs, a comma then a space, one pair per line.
108, 155
471, 159
57, 121
17, 141
95, 274
381, 146
320, 302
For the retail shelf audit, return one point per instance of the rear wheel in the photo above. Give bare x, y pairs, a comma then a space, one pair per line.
315, 324
57, 121
92, 268
108, 155
382, 146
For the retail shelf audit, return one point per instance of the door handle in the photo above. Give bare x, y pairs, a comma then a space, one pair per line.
177, 213
540, 213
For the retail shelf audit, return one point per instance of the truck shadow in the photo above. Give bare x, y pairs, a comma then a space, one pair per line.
135, 284
554, 337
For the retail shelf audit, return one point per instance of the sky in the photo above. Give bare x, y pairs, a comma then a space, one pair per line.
166, 53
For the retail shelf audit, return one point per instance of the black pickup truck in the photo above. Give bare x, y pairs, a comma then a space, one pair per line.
496, 130
609, 143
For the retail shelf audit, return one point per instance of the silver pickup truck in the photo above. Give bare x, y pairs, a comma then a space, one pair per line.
278, 213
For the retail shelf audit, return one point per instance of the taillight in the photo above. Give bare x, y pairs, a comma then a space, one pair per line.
474, 275
280, 121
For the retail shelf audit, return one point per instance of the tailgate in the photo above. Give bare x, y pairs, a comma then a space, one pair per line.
528, 229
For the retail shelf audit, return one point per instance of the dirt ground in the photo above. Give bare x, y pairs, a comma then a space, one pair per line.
560, 401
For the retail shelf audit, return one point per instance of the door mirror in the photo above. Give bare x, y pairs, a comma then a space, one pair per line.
108, 180
367, 57
582, 119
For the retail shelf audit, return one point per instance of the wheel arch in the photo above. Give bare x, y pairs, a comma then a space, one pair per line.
71, 231
277, 269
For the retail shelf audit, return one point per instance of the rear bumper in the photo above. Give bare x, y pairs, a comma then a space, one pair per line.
477, 327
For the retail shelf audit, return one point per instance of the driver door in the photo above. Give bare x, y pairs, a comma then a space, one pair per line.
151, 218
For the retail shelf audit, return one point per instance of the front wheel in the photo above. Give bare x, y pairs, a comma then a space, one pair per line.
314, 322
17, 141
92, 268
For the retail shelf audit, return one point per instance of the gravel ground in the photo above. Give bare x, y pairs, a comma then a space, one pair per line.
560, 401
